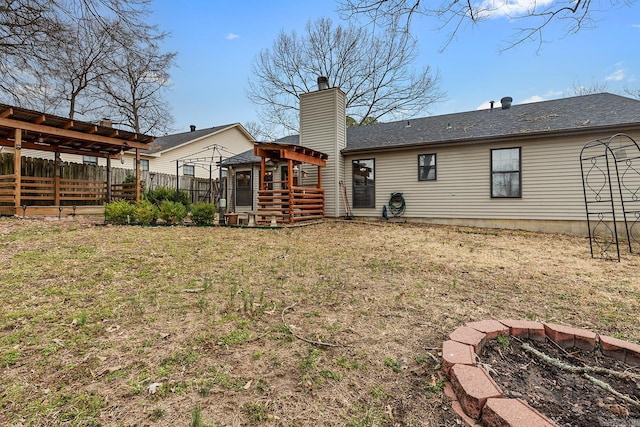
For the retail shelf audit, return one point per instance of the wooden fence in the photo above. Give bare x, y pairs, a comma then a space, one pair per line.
87, 184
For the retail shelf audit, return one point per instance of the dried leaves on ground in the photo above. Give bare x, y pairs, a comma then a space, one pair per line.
338, 323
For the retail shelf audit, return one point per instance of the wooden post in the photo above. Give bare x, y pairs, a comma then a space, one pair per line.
17, 168
56, 179
138, 195
108, 195
290, 188
263, 171
319, 177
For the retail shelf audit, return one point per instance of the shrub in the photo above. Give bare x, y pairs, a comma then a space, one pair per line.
203, 213
145, 212
172, 212
160, 194
120, 212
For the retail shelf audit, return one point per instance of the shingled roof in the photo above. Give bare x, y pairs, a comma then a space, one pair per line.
579, 113
175, 140
602, 111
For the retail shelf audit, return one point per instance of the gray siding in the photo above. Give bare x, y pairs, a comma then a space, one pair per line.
550, 176
323, 128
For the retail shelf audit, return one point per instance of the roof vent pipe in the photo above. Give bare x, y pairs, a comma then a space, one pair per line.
193, 128
491, 103
323, 83
506, 102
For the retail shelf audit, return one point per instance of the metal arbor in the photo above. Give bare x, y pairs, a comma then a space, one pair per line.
611, 182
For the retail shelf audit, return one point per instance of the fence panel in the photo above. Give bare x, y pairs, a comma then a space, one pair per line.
199, 189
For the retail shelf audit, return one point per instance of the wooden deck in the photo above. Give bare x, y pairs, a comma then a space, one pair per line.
290, 206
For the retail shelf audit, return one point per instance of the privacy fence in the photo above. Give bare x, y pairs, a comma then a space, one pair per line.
87, 184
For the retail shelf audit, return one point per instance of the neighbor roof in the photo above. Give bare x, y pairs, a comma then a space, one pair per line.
175, 140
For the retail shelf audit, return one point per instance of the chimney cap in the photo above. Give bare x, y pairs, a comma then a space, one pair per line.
193, 128
323, 83
506, 102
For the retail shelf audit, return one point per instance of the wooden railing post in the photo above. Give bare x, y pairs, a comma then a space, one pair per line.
108, 200
138, 195
56, 179
17, 168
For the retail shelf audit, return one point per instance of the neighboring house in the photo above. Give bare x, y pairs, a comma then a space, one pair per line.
512, 166
194, 153
197, 152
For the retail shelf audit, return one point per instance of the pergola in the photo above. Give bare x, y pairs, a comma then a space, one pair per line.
290, 203
23, 129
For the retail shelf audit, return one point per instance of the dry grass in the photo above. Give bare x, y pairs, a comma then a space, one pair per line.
92, 316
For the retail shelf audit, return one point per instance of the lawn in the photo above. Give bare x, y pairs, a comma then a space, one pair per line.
334, 324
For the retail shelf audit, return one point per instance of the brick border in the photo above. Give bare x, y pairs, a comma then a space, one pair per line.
475, 396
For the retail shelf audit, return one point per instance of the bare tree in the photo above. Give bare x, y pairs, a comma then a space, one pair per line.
374, 72
535, 16
74, 68
60, 56
579, 89
134, 89
632, 92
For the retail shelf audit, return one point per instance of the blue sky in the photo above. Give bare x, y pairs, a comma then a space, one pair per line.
217, 41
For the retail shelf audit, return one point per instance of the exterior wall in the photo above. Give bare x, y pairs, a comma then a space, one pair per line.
551, 180
323, 128
232, 140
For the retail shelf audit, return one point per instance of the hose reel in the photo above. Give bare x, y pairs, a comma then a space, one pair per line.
397, 204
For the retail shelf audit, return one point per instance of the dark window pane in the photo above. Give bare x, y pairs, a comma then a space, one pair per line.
364, 189
243, 188
505, 173
427, 167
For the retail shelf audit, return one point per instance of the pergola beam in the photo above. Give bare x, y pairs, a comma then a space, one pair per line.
70, 134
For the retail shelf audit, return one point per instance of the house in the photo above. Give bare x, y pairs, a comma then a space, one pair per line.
196, 152
511, 166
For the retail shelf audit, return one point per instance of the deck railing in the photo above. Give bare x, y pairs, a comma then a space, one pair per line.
39, 191
289, 206
7, 189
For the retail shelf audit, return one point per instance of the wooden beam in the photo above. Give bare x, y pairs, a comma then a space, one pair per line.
41, 118
290, 155
65, 133
6, 113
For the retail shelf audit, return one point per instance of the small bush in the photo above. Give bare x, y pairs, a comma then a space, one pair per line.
203, 213
172, 212
120, 212
145, 212
160, 194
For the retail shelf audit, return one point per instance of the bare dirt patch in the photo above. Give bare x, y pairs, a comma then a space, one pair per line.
109, 325
542, 374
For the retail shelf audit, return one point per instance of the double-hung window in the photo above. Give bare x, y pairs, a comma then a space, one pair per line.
506, 173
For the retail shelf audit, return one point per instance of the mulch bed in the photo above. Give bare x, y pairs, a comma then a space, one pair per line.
569, 399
